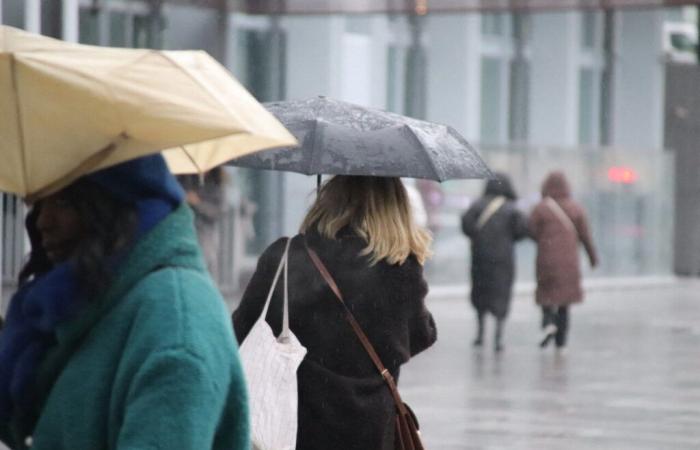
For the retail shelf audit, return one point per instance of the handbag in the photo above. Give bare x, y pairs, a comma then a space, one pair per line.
270, 366
407, 432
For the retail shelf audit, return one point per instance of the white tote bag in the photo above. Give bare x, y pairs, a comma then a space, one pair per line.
270, 365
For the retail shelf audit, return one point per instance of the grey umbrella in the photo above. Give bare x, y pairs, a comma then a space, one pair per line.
339, 138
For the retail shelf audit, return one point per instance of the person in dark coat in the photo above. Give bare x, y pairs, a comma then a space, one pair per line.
558, 224
362, 229
494, 225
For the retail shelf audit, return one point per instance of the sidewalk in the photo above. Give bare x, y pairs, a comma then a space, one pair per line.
590, 285
629, 380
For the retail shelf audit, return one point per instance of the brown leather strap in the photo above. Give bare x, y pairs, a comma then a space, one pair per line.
383, 371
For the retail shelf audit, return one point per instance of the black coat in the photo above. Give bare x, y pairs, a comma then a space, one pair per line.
493, 254
344, 403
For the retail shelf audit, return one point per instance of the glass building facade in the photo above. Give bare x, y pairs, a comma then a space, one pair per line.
526, 90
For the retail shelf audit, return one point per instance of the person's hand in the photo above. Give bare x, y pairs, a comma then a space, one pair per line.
192, 198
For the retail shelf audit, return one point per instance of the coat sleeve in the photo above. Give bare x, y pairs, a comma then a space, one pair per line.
584, 234
422, 329
253, 300
534, 223
172, 402
520, 227
469, 220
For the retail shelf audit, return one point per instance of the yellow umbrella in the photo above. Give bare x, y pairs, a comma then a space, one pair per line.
70, 109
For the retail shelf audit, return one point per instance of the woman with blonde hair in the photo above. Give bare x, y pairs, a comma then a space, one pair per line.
363, 232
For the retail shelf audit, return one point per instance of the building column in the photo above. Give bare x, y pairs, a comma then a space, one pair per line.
455, 95
607, 93
70, 16
519, 98
32, 16
416, 70
553, 117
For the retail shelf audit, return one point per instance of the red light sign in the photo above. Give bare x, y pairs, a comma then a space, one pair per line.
623, 175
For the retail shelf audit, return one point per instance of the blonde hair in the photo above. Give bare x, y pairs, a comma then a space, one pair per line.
377, 209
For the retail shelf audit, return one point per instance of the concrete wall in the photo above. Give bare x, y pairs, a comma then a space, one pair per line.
639, 80
554, 79
453, 72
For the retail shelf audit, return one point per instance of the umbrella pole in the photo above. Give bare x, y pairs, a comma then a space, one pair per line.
318, 184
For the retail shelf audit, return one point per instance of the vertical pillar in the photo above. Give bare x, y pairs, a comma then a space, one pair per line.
416, 70
223, 31
155, 24
32, 16
607, 84
70, 16
697, 12
519, 81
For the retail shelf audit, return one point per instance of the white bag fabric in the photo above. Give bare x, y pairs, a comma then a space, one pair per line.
270, 365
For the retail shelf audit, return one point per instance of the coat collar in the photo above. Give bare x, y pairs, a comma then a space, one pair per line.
171, 243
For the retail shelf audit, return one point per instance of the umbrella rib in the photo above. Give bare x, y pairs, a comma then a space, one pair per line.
18, 110
203, 86
430, 161
192, 159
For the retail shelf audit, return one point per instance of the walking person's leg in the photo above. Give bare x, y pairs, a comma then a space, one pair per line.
562, 322
549, 327
480, 317
498, 334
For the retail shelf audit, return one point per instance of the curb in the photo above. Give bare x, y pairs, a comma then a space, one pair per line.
527, 288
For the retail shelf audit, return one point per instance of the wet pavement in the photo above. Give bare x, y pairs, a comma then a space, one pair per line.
629, 379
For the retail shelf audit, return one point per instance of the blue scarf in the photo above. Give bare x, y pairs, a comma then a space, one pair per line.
40, 306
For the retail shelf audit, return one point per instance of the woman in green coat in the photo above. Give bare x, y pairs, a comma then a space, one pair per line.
117, 338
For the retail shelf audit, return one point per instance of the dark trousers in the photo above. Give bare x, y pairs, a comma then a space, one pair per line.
559, 316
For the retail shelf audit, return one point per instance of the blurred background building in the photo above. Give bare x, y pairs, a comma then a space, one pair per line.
536, 85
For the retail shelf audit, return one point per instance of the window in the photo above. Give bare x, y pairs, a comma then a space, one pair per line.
395, 89
587, 111
492, 96
13, 13
493, 24
588, 29
120, 24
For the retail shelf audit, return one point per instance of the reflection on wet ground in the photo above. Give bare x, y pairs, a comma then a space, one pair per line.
630, 378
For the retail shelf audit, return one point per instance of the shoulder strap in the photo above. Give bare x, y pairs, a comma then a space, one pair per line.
488, 212
283, 265
561, 214
388, 378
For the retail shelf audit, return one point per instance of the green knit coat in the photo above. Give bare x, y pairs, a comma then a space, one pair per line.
152, 364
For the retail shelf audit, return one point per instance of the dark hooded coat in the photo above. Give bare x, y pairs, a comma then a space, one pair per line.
558, 270
344, 403
493, 247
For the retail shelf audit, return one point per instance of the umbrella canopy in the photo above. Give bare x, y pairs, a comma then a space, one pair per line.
339, 138
70, 109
